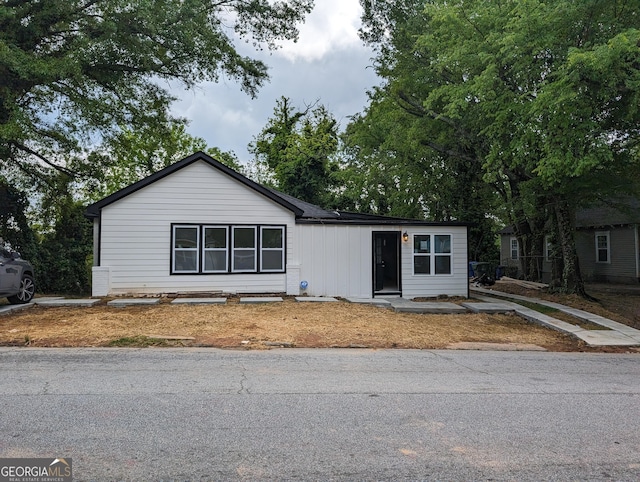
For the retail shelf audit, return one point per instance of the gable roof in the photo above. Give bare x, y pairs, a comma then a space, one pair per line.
617, 212
305, 212
93, 210
621, 211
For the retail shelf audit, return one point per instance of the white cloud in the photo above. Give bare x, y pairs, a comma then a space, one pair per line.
329, 64
332, 25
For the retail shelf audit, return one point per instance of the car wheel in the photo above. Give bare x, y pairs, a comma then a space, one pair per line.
27, 290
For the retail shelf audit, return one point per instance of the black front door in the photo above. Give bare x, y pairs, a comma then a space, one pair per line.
386, 263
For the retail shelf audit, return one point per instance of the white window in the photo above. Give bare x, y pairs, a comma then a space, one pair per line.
431, 254
215, 252
271, 249
244, 249
186, 249
603, 247
514, 248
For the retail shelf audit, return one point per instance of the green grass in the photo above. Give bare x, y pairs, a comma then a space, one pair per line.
138, 341
545, 310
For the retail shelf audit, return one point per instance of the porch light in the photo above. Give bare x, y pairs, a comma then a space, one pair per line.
405, 237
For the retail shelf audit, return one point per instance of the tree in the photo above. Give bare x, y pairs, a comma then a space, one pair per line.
544, 96
130, 156
75, 70
14, 225
390, 170
297, 148
63, 258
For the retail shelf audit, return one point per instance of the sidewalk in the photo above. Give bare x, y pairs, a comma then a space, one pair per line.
614, 334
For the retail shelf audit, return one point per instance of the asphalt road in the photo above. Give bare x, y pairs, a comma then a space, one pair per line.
206, 414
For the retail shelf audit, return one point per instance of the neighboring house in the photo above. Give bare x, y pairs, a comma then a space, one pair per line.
607, 241
199, 226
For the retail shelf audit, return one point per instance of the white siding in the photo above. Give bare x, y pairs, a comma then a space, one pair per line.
136, 231
455, 284
337, 260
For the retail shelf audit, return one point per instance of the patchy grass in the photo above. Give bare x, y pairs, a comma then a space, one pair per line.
290, 323
138, 341
263, 326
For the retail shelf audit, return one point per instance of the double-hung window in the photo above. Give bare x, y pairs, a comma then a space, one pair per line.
244, 254
514, 248
271, 249
186, 249
215, 251
603, 247
431, 254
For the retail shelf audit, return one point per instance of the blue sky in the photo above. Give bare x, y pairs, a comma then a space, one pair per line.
328, 64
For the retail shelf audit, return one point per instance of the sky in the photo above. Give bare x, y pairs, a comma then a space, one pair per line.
329, 64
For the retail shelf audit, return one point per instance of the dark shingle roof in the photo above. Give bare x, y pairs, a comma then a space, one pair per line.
617, 212
304, 211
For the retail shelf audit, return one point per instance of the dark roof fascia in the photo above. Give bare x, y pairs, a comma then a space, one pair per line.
94, 209
596, 227
380, 222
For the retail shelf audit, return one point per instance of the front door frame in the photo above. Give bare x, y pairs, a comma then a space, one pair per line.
385, 247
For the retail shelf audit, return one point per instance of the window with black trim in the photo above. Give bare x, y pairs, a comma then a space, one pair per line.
271, 248
215, 252
214, 249
186, 249
431, 254
244, 249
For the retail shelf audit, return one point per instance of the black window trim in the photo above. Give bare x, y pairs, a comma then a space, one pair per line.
229, 226
432, 255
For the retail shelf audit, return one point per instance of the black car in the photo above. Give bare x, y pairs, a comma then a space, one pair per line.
16, 278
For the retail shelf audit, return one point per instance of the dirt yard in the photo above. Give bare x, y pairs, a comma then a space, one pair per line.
292, 324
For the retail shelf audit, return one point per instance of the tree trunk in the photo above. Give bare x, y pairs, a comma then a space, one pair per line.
572, 282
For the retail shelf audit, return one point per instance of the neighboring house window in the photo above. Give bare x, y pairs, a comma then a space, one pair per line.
215, 249
186, 249
271, 248
603, 247
432, 254
514, 248
212, 249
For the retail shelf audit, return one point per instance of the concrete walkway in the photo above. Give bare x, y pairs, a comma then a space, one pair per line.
616, 334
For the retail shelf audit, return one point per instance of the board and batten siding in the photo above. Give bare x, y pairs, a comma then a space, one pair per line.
337, 260
135, 232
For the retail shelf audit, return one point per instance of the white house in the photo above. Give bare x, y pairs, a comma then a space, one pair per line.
199, 226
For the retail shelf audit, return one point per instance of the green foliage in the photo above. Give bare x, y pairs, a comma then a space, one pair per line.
62, 261
130, 156
14, 225
72, 70
543, 97
297, 149
139, 341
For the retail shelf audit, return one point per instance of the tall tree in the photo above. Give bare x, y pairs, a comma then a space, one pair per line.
14, 225
130, 156
298, 149
543, 95
71, 70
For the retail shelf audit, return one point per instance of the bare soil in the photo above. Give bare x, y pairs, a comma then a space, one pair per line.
294, 324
